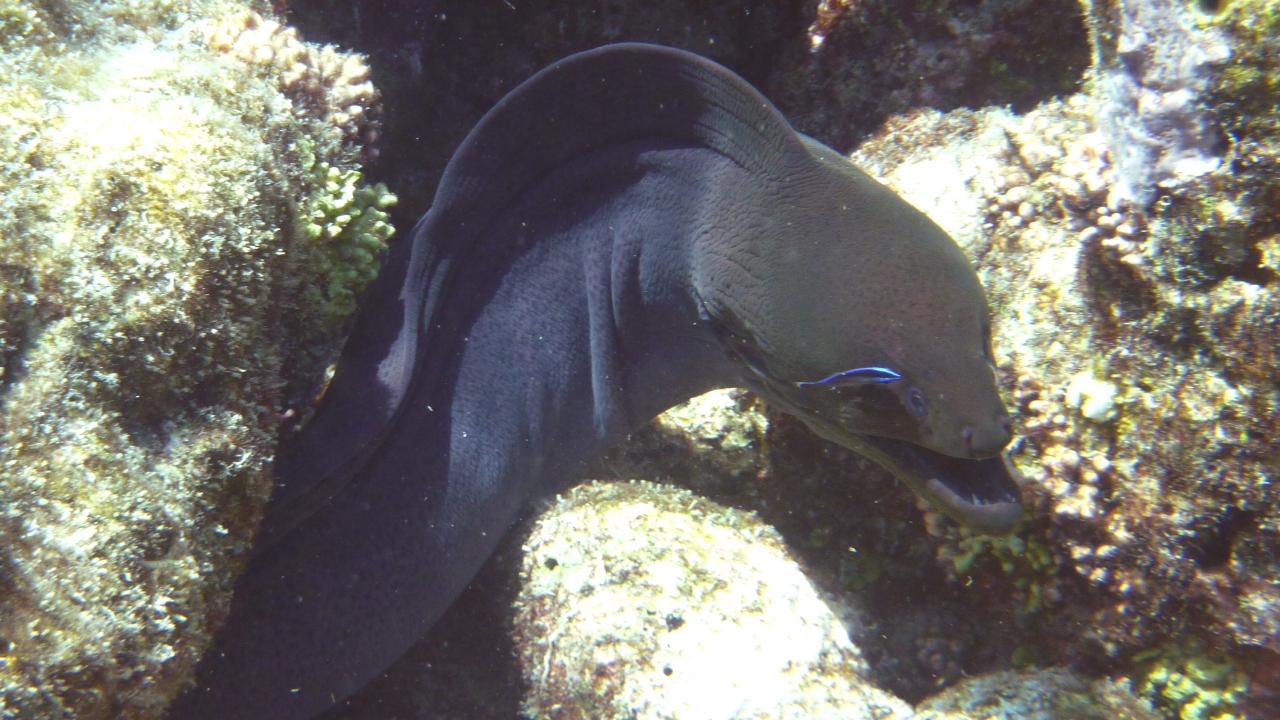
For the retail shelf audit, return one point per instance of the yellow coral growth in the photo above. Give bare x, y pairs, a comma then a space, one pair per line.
1029, 560
1192, 683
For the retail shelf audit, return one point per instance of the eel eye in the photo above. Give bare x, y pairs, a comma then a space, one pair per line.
916, 402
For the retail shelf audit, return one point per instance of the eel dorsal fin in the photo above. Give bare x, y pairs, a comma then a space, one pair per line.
595, 99
610, 95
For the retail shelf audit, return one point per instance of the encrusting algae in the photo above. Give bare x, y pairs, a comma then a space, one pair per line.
155, 313
1050, 694
1191, 682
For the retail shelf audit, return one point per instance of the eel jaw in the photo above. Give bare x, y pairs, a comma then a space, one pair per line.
982, 494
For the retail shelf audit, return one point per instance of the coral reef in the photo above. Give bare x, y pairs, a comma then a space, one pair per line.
1137, 345
645, 601
153, 321
1126, 232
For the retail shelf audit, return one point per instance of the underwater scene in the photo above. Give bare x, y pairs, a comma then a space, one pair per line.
643, 360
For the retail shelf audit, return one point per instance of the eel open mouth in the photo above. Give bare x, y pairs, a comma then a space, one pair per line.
983, 494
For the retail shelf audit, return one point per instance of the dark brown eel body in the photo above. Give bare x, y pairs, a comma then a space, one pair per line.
631, 227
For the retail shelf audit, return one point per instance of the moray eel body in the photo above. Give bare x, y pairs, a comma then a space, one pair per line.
629, 228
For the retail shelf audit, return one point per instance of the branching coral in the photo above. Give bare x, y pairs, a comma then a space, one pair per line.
325, 83
348, 226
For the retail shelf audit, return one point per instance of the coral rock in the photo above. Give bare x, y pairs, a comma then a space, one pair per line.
643, 601
1053, 694
153, 321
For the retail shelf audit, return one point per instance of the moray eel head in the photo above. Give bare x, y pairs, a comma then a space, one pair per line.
865, 319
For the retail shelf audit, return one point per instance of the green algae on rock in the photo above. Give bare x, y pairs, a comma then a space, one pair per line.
645, 601
152, 319
1028, 560
342, 222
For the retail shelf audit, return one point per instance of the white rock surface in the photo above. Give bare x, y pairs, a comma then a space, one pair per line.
648, 602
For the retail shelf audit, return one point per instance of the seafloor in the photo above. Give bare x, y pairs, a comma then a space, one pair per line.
185, 221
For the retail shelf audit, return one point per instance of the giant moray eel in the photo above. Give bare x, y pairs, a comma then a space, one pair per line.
631, 227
